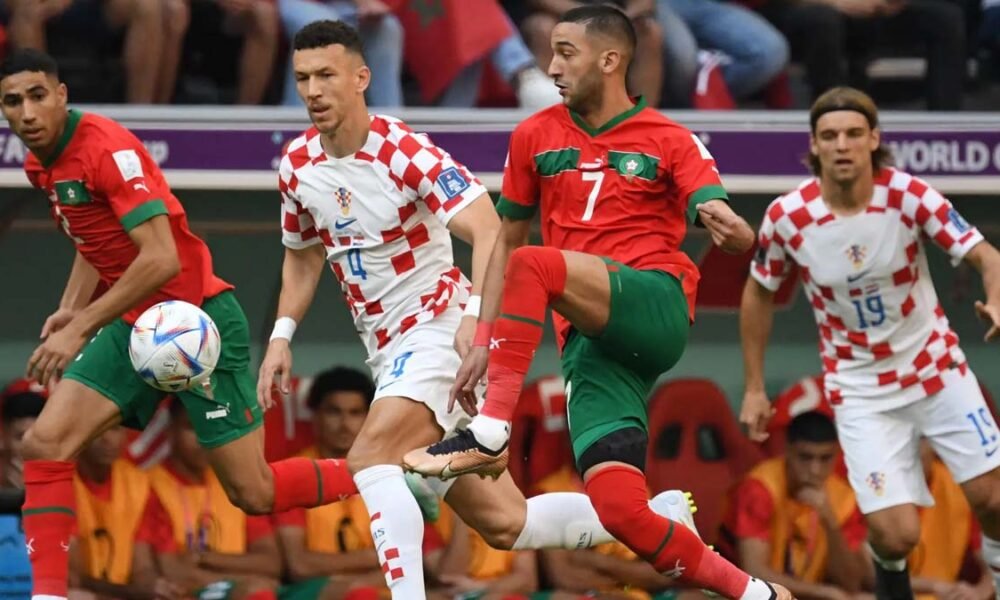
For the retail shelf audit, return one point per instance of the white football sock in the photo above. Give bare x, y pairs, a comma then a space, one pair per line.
561, 520
490, 432
991, 554
397, 529
565, 520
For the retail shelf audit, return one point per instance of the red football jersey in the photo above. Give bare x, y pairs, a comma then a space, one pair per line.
621, 191
101, 183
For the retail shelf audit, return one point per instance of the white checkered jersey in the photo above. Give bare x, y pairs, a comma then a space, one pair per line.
381, 215
883, 334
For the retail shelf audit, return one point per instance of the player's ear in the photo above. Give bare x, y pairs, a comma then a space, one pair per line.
610, 59
813, 148
876, 139
62, 94
363, 78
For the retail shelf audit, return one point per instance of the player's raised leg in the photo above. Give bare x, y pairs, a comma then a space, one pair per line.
392, 425
73, 415
227, 419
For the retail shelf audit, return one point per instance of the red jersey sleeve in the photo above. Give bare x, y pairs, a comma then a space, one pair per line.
258, 526
520, 189
854, 530
291, 518
155, 528
753, 511
120, 175
693, 171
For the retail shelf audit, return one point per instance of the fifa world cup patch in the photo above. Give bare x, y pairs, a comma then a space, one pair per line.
128, 164
452, 182
960, 223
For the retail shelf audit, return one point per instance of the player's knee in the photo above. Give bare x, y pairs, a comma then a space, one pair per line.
38, 445
534, 262
368, 453
896, 541
177, 17
984, 495
264, 19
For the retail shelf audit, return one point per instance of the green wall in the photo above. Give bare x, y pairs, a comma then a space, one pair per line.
242, 230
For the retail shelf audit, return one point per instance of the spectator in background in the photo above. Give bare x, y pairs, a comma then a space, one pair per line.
257, 21
819, 32
468, 567
450, 44
176, 19
20, 406
329, 549
111, 494
950, 539
748, 50
381, 34
142, 20
793, 521
191, 533
646, 73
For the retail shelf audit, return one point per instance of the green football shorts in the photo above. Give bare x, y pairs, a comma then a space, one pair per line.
609, 376
220, 412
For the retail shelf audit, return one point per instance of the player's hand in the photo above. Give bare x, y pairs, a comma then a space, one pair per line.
463, 337
469, 374
167, 590
816, 498
755, 413
371, 10
277, 364
991, 315
54, 354
729, 231
57, 321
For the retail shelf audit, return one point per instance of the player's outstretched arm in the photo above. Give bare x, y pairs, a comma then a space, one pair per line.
756, 316
300, 273
477, 225
80, 286
513, 234
985, 258
156, 264
730, 232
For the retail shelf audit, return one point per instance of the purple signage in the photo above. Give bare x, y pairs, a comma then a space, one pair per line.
761, 153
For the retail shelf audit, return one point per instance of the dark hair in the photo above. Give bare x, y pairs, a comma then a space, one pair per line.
847, 98
320, 34
23, 405
604, 19
340, 379
28, 59
813, 427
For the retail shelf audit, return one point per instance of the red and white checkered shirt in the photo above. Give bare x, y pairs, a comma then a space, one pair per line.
883, 334
381, 214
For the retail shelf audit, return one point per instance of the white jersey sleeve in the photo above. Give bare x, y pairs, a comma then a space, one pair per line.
297, 227
444, 185
770, 263
935, 216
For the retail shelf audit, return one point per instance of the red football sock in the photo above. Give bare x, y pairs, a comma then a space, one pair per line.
49, 520
535, 276
621, 501
305, 483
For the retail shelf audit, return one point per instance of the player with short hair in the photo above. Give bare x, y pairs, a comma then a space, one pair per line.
614, 181
131, 233
893, 369
377, 201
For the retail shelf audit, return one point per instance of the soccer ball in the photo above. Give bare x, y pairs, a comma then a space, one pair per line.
174, 346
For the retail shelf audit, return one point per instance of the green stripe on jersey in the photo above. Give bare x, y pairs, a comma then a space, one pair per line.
634, 164
703, 195
514, 210
553, 162
47, 509
142, 213
521, 319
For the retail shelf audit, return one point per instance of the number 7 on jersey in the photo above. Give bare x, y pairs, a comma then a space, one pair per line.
598, 178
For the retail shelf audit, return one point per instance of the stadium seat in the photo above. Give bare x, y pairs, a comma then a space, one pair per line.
696, 445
